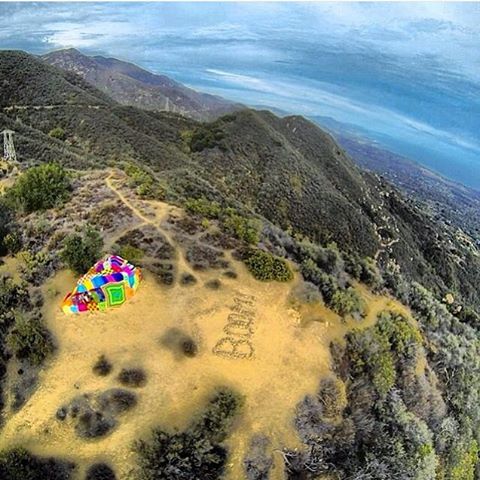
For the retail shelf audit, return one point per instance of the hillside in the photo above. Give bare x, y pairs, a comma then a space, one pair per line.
448, 201
285, 169
131, 85
267, 255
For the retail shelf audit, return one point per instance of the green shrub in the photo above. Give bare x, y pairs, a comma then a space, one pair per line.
195, 453
19, 464
347, 302
370, 274
12, 242
391, 344
326, 283
12, 297
383, 374
81, 252
100, 471
400, 333
131, 253
231, 222
6, 217
58, 133
29, 339
40, 188
203, 207
464, 461
145, 184
35, 266
240, 227
266, 267
206, 136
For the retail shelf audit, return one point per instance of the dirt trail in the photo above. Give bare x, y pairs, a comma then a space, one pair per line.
161, 211
11, 108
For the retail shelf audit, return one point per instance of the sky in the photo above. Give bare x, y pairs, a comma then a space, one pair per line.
406, 75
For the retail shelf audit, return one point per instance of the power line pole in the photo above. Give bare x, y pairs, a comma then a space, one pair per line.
8, 146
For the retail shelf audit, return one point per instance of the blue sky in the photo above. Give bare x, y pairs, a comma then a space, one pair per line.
406, 74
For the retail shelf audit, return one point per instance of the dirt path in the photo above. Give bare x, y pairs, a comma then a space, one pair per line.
11, 108
161, 209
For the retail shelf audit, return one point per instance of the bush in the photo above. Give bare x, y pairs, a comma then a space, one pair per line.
58, 133
12, 242
12, 297
100, 471
204, 207
243, 228
35, 267
131, 253
463, 461
102, 366
145, 183
81, 252
6, 217
40, 188
206, 136
380, 350
29, 339
326, 283
132, 377
196, 453
19, 464
347, 302
266, 267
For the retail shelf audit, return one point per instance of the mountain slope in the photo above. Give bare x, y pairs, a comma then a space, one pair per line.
449, 201
253, 233
132, 85
284, 169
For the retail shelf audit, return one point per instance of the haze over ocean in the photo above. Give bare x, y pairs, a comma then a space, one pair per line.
406, 74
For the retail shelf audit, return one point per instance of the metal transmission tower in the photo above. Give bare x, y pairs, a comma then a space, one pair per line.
8, 146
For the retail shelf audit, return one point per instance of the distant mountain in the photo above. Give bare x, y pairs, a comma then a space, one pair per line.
129, 84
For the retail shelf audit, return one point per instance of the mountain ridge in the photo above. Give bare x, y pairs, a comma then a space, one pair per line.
132, 85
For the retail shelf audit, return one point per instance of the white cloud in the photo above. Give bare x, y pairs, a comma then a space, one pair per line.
320, 96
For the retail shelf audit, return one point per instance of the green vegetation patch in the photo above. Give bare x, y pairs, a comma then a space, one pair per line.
464, 458
196, 453
144, 183
230, 220
40, 188
19, 464
82, 251
266, 267
204, 136
29, 339
380, 350
348, 302
6, 219
58, 133
131, 253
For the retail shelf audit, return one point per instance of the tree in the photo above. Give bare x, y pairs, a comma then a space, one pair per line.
81, 252
40, 188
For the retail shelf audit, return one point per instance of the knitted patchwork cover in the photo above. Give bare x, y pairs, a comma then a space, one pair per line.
109, 283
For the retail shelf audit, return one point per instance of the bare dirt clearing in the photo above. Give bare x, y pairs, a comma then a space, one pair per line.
244, 334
